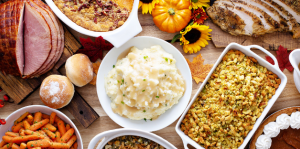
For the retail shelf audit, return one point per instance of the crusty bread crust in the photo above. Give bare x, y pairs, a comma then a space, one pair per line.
271, 118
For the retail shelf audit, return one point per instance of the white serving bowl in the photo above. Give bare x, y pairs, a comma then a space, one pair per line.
117, 37
111, 134
295, 60
247, 51
35, 108
170, 115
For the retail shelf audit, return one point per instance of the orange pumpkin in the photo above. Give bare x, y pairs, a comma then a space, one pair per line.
172, 15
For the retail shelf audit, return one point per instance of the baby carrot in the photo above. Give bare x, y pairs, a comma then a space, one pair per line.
23, 146
67, 135
37, 117
50, 127
57, 134
7, 139
38, 125
49, 133
61, 127
21, 132
75, 145
11, 146
17, 127
21, 118
29, 132
21, 139
30, 119
12, 134
52, 117
72, 140
26, 124
38, 143
2, 143
68, 127
45, 116
58, 145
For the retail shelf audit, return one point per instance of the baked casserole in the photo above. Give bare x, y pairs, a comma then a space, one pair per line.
230, 103
96, 15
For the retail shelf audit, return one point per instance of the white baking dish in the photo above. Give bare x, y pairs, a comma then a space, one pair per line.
247, 51
117, 37
111, 134
35, 108
295, 60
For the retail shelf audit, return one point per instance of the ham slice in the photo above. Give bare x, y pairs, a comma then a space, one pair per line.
11, 49
37, 40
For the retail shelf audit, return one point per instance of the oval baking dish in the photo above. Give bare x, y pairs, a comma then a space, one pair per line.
111, 134
295, 61
247, 51
117, 37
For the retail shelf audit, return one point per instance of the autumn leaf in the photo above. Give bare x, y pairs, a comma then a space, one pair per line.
282, 58
94, 50
199, 15
198, 70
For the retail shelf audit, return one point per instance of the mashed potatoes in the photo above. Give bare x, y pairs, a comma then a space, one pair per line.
144, 84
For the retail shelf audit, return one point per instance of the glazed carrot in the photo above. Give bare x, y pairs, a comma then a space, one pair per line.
29, 132
7, 139
38, 125
58, 145
11, 146
21, 139
2, 143
30, 119
52, 117
12, 134
68, 127
21, 132
75, 145
45, 116
61, 127
67, 136
23, 146
49, 133
36, 148
49, 127
37, 117
38, 143
57, 134
72, 140
26, 124
21, 118
17, 127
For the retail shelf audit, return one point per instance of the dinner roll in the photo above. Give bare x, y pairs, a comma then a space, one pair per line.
56, 91
79, 69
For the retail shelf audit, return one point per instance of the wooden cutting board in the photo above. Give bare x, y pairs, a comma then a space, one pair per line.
270, 41
19, 89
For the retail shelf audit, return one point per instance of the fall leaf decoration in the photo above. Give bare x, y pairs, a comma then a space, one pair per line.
198, 70
199, 15
95, 70
94, 50
282, 58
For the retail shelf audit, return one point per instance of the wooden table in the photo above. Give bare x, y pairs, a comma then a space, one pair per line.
289, 97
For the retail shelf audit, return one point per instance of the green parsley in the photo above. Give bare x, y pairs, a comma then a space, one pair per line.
143, 90
145, 57
123, 94
166, 104
157, 96
144, 111
166, 59
122, 80
151, 119
32, 145
118, 81
144, 79
122, 102
145, 119
114, 66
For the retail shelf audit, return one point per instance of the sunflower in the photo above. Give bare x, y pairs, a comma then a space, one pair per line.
195, 4
194, 37
147, 5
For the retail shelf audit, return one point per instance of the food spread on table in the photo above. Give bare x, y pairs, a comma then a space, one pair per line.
256, 17
32, 38
38, 130
96, 15
132, 142
230, 103
144, 84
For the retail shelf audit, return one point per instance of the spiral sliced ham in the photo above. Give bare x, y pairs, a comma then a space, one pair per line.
31, 38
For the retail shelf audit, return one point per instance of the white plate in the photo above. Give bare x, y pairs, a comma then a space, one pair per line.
35, 108
170, 115
247, 51
117, 37
111, 134
295, 60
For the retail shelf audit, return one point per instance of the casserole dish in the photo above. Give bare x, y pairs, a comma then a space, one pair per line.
247, 51
164, 119
111, 134
35, 108
294, 59
117, 37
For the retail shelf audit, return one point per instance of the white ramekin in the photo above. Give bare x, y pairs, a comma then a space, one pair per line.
295, 60
247, 51
117, 37
35, 108
111, 134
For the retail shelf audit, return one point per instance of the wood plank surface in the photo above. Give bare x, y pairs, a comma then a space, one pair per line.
289, 97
